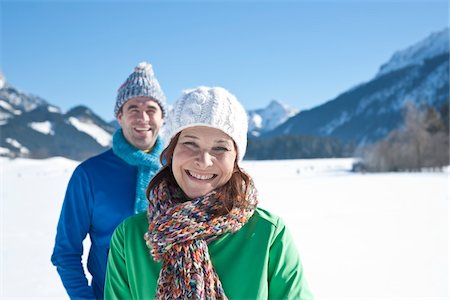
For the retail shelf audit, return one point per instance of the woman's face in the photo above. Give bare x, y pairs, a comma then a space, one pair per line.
203, 160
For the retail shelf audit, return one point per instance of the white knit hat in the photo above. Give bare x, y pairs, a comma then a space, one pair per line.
141, 83
213, 107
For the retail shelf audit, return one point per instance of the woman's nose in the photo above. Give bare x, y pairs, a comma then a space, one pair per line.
204, 159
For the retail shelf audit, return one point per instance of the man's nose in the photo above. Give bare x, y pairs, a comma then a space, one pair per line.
143, 116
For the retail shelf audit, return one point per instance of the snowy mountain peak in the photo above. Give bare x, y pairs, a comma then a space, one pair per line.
32, 127
276, 106
265, 119
80, 111
85, 120
435, 44
20, 101
369, 111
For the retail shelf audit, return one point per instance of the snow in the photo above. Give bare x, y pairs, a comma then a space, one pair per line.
335, 123
5, 105
256, 121
429, 90
2, 80
43, 127
268, 118
100, 135
4, 151
54, 109
360, 236
17, 145
435, 44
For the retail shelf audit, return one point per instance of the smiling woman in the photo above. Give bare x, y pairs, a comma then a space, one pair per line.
203, 160
203, 223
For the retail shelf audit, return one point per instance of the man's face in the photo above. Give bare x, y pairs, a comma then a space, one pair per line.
141, 119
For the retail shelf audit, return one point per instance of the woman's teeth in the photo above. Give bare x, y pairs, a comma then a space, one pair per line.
201, 177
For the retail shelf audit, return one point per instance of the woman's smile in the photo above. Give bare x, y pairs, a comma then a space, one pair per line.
200, 176
203, 160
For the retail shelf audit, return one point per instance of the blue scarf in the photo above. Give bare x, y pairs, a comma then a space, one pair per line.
147, 164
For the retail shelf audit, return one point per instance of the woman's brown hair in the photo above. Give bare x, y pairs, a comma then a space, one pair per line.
235, 190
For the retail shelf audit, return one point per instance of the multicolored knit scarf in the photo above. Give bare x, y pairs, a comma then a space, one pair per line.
147, 164
178, 234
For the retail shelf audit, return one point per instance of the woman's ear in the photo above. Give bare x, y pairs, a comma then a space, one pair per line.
236, 167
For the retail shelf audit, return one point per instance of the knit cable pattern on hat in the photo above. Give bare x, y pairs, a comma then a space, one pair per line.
141, 83
178, 234
213, 107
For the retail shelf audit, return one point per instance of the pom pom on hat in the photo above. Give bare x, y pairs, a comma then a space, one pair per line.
141, 83
213, 107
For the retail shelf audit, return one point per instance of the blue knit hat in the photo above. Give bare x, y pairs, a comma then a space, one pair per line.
141, 83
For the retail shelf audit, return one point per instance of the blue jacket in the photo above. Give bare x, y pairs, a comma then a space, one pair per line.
100, 195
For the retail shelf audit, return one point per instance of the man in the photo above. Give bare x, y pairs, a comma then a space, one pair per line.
106, 189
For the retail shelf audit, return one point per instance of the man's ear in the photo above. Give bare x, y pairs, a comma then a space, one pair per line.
119, 117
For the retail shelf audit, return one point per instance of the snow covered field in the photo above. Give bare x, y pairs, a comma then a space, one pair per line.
360, 236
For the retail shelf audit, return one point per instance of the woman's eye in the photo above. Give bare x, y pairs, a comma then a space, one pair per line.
190, 144
220, 149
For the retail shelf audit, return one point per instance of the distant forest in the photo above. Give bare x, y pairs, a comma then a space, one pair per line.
297, 146
421, 143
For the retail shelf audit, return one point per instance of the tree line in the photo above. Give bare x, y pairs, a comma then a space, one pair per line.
422, 142
297, 146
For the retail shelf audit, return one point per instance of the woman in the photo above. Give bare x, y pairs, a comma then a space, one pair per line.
204, 236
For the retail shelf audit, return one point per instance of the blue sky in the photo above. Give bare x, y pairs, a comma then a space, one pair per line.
302, 53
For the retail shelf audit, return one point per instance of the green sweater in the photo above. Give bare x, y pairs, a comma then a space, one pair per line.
259, 261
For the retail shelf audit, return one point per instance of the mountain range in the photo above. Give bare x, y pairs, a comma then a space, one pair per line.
32, 127
370, 110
